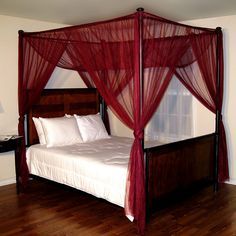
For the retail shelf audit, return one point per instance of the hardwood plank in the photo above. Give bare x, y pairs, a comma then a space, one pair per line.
51, 209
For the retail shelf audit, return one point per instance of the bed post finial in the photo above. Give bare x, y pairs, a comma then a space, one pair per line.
218, 29
20, 32
140, 9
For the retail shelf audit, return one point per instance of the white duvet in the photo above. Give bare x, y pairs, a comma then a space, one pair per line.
98, 168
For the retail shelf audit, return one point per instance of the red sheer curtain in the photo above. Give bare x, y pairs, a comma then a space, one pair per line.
109, 53
37, 60
112, 63
107, 56
200, 77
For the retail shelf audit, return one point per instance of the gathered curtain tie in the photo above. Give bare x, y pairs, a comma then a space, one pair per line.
139, 134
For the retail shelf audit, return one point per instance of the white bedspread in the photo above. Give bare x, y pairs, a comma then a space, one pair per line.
98, 168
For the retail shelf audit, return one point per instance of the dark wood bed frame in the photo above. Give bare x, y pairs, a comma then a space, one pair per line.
172, 170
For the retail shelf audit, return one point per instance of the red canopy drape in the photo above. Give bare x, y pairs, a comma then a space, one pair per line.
131, 61
204, 78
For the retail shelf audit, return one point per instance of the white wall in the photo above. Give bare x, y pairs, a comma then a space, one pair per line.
9, 27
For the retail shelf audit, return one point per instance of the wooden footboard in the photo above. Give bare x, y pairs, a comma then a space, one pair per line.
176, 168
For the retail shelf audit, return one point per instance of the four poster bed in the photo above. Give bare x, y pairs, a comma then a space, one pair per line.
130, 60
167, 165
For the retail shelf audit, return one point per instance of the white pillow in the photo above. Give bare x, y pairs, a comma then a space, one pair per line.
39, 130
60, 131
91, 127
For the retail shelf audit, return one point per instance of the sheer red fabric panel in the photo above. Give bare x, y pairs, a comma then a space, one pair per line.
223, 153
200, 77
37, 60
113, 66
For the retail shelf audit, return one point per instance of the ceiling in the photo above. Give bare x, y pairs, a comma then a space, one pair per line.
74, 12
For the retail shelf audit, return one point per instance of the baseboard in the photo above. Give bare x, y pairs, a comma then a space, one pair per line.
231, 181
7, 181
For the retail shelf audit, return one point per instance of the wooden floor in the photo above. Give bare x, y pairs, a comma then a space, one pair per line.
51, 209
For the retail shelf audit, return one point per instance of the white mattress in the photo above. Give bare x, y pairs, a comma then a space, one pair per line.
98, 168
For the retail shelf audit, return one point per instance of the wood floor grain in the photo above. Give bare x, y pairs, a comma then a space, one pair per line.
51, 209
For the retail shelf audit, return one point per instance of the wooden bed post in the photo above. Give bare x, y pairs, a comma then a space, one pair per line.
217, 118
104, 114
21, 75
103, 107
140, 9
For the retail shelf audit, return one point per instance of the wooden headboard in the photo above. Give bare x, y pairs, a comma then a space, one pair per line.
58, 102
